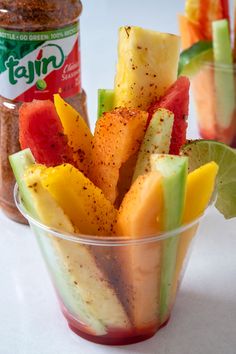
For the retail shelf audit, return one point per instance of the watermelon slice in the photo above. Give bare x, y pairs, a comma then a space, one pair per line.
40, 129
176, 100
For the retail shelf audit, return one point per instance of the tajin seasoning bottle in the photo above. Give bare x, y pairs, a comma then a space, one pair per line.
39, 56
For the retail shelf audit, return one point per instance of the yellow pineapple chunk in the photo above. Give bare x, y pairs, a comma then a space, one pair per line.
147, 66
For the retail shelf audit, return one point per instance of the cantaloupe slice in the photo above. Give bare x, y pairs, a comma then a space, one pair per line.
118, 136
200, 186
140, 215
78, 133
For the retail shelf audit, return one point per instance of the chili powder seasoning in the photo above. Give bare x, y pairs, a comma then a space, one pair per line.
39, 56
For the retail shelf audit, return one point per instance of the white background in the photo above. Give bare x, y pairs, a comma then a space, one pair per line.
99, 30
204, 319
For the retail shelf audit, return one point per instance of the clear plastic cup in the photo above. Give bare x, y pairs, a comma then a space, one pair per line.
214, 91
114, 290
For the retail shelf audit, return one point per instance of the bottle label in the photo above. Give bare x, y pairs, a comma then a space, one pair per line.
35, 65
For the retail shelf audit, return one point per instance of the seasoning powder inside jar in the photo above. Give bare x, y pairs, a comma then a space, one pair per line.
39, 56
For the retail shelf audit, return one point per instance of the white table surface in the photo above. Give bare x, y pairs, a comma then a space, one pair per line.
204, 318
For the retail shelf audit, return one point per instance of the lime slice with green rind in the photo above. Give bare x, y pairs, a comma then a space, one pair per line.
192, 59
203, 151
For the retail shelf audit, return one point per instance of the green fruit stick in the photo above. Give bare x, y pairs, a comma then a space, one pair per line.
55, 253
43, 207
105, 101
223, 73
221, 42
234, 53
174, 170
19, 162
156, 140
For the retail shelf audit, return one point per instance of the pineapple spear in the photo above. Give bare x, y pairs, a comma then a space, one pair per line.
147, 66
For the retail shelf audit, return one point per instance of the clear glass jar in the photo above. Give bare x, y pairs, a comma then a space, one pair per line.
39, 56
214, 91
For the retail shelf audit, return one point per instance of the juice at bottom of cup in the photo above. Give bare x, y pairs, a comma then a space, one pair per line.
116, 292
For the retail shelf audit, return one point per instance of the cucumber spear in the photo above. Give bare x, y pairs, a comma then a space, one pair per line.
234, 52
223, 73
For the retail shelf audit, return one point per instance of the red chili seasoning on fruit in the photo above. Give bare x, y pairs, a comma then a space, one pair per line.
39, 56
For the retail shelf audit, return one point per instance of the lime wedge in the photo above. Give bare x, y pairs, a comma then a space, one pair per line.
203, 151
192, 58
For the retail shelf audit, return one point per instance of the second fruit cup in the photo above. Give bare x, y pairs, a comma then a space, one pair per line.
214, 90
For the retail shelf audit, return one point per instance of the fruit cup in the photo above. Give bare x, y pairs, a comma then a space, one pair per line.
114, 290
214, 90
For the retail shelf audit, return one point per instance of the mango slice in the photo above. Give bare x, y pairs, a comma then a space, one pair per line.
83, 203
140, 215
200, 186
48, 211
78, 133
117, 139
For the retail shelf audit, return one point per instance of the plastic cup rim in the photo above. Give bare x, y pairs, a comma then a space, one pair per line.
108, 241
220, 66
